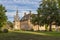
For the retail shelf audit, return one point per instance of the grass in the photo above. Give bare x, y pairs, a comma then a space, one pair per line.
51, 33
28, 35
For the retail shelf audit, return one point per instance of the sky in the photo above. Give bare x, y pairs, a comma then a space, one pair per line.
22, 6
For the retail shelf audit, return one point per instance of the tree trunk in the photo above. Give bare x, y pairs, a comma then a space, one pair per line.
50, 29
38, 27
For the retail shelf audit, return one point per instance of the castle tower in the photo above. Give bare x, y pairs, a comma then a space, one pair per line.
16, 21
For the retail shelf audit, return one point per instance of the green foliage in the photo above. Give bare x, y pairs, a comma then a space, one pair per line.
3, 17
48, 12
34, 19
10, 24
46, 27
5, 30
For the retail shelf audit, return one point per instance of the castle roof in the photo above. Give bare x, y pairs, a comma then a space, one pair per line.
26, 17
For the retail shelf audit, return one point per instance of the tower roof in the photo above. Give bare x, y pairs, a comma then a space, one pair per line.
17, 12
16, 18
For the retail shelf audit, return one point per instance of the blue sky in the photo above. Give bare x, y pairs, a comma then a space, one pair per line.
21, 5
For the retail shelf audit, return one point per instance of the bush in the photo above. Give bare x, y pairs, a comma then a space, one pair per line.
5, 30
0, 31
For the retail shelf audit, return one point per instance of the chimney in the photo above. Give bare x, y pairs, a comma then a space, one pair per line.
24, 13
30, 12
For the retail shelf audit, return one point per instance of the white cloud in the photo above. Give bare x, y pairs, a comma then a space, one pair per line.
10, 15
26, 1
16, 4
11, 5
20, 8
20, 1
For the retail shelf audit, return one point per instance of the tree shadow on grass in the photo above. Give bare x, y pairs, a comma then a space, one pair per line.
25, 36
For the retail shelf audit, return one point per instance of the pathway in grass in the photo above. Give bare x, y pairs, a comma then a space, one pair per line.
26, 35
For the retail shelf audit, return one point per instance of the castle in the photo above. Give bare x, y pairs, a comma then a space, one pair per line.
24, 23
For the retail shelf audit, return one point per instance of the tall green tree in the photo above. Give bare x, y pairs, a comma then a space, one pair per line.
50, 12
35, 20
3, 17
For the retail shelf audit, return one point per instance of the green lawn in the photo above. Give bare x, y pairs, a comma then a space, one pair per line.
26, 35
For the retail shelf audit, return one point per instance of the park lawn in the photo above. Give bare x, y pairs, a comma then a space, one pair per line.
54, 33
28, 35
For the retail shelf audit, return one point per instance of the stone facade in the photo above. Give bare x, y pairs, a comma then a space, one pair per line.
25, 22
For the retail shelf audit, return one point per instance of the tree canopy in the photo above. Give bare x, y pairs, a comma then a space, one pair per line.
3, 17
48, 13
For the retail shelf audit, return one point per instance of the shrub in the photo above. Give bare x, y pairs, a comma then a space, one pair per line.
5, 30
0, 31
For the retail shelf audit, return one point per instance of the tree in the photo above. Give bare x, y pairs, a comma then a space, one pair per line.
10, 24
50, 12
3, 17
34, 20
